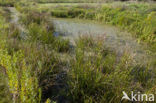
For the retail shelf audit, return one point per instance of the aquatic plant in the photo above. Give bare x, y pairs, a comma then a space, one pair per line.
133, 18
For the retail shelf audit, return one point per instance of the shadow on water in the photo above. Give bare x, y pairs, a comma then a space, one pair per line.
56, 91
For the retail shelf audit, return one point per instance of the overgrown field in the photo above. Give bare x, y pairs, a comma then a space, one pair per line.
44, 68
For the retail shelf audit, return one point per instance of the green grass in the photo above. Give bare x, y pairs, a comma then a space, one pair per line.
139, 19
71, 1
5, 96
28, 62
97, 75
7, 2
22, 83
82, 1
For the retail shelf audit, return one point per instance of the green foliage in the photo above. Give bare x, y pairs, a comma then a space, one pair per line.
41, 30
7, 2
133, 21
5, 96
139, 19
83, 1
67, 12
20, 78
35, 64
22, 83
95, 73
67, 1
39, 33
34, 16
98, 76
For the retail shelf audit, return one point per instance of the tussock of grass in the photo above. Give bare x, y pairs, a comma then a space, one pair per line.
35, 17
96, 74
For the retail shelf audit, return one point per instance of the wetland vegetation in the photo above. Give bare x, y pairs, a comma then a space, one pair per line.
71, 52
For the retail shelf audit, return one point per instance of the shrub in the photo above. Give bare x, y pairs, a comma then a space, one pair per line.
22, 85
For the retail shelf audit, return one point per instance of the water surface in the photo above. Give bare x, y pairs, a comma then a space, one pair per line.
113, 37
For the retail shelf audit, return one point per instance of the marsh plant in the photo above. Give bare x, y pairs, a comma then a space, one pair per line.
44, 67
139, 19
98, 75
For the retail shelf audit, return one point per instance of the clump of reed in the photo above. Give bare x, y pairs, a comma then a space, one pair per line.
98, 75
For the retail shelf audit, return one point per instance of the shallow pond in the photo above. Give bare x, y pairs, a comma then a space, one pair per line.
112, 37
